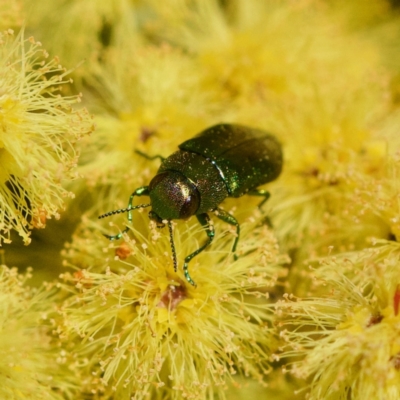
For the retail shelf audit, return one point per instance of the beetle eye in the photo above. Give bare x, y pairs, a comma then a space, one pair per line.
191, 204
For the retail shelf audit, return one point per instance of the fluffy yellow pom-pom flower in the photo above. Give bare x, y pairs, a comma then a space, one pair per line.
32, 365
347, 340
38, 134
146, 332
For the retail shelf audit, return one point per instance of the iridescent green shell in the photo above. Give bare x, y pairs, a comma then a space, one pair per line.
244, 157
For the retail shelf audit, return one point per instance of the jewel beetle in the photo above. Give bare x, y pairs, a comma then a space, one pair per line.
225, 160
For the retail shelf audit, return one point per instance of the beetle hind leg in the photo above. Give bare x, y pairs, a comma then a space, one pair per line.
260, 192
231, 220
204, 220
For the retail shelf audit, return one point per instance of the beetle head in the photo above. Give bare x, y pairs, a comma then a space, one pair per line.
172, 196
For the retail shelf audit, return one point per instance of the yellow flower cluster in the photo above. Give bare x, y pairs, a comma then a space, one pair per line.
310, 306
347, 340
147, 333
38, 134
33, 363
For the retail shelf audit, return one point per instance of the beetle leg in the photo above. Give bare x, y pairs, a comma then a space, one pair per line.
142, 191
147, 157
204, 220
260, 192
231, 220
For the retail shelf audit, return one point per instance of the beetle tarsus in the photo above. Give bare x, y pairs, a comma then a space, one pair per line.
187, 276
117, 236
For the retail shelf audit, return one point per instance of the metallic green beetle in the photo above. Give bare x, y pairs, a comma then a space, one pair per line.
226, 160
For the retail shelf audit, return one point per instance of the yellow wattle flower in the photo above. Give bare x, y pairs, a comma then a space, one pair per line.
39, 129
145, 331
347, 340
33, 364
323, 77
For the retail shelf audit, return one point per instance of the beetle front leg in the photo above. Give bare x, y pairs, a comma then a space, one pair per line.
260, 192
231, 220
204, 220
142, 191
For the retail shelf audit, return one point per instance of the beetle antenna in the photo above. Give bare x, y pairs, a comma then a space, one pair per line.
122, 210
171, 239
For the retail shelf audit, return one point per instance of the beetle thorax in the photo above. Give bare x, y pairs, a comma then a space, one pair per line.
173, 196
